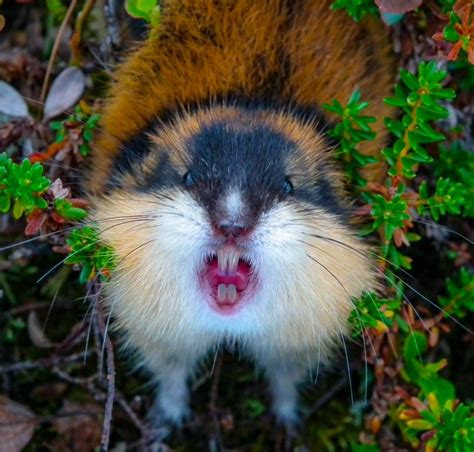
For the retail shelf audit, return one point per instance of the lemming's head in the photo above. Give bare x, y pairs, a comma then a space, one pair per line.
233, 221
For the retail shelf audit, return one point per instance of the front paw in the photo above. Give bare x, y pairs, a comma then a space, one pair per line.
286, 415
168, 412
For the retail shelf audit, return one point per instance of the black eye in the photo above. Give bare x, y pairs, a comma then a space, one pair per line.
188, 180
288, 187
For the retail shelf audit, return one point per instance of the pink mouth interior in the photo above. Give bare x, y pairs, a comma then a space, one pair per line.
240, 279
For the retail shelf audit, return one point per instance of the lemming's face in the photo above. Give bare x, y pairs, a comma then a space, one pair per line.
232, 223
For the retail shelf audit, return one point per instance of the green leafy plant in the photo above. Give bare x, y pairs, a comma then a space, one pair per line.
21, 185
456, 163
26, 188
357, 9
148, 10
82, 122
392, 206
459, 300
419, 98
372, 312
447, 426
87, 251
353, 129
448, 198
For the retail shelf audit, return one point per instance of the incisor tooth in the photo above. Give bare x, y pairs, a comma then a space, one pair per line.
233, 261
227, 260
231, 293
221, 292
221, 261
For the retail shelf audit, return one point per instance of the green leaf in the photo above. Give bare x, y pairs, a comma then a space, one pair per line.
5, 202
18, 209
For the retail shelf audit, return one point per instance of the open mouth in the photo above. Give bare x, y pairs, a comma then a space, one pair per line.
229, 278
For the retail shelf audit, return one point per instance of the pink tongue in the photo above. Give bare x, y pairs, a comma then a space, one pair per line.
240, 278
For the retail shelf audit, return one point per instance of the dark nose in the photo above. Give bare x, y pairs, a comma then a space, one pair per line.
231, 229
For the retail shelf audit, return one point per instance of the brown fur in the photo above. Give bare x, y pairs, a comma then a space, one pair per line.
299, 51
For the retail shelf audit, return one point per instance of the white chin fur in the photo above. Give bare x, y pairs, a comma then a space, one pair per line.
298, 302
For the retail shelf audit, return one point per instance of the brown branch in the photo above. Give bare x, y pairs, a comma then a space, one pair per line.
216, 440
54, 51
327, 396
76, 36
42, 363
110, 377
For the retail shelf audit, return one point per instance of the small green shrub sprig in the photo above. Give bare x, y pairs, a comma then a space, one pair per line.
87, 251
83, 121
419, 98
26, 188
31, 193
22, 186
373, 312
459, 300
458, 164
353, 129
442, 422
357, 9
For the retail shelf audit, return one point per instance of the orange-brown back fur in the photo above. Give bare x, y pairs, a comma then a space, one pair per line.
292, 51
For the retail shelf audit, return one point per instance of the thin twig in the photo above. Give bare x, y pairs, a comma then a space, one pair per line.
328, 395
54, 51
76, 36
216, 440
110, 377
42, 363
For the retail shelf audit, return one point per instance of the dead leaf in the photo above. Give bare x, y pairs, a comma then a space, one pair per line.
397, 6
58, 191
17, 424
65, 92
36, 333
11, 102
79, 427
50, 391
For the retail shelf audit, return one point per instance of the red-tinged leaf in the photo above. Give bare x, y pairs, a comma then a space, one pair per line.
34, 222
462, 8
470, 52
416, 403
439, 37
374, 424
79, 202
433, 338
36, 333
397, 6
363, 211
62, 249
454, 52
17, 424
58, 218
409, 414
400, 238
402, 392
37, 157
